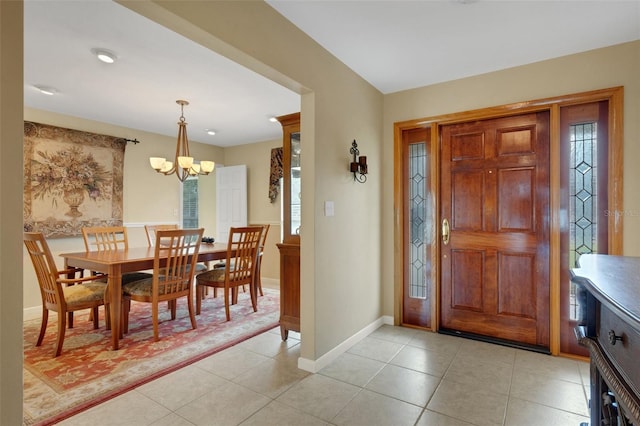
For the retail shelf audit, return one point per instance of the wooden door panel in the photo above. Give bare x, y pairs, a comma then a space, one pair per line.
467, 198
516, 193
516, 284
467, 146
515, 141
495, 193
467, 270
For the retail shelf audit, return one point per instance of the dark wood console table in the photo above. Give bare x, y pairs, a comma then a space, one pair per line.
609, 294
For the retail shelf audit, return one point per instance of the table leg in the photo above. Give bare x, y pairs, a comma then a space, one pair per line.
115, 308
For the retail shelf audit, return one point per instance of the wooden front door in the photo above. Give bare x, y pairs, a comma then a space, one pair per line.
495, 228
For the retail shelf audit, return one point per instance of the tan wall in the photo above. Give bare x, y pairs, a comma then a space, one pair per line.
11, 130
257, 158
603, 68
341, 254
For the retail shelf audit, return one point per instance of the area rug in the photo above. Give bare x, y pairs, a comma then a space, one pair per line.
89, 372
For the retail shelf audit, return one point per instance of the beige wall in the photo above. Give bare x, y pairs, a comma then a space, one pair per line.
11, 129
603, 68
340, 255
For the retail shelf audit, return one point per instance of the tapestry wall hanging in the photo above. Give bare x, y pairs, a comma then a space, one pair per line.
72, 179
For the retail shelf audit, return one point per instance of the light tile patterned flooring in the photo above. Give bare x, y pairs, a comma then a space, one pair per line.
395, 376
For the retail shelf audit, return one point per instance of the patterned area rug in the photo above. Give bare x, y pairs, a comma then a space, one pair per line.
89, 372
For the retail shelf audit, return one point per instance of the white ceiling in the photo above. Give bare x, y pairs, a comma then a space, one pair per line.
395, 45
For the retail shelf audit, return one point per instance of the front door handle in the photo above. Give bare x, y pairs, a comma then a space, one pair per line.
445, 231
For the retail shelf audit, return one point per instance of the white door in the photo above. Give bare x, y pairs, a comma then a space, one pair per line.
231, 200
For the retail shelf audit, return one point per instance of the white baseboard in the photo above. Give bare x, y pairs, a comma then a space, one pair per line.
326, 359
272, 283
32, 313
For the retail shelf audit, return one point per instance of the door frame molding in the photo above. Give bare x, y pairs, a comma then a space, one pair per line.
615, 97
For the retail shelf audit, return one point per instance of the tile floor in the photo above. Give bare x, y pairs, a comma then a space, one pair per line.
396, 376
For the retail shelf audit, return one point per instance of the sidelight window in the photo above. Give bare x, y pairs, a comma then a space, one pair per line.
417, 220
583, 204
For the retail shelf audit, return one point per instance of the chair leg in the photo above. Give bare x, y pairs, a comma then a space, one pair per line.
254, 298
62, 325
70, 319
191, 314
226, 303
199, 291
126, 308
43, 325
173, 307
154, 313
258, 277
107, 317
96, 318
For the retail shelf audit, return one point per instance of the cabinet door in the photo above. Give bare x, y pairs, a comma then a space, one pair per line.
292, 202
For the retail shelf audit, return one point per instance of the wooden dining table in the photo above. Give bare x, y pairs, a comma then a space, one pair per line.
117, 262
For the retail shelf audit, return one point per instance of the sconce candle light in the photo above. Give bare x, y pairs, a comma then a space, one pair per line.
359, 165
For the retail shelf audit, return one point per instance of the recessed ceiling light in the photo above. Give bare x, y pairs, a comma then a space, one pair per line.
210, 131
46, 90
273, 119
105, 55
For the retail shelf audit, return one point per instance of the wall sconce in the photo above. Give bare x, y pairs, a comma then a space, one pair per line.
359, 165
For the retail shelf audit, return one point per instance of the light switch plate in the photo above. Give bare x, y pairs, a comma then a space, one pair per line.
328, 208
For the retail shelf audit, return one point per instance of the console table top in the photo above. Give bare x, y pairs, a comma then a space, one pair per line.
614, 281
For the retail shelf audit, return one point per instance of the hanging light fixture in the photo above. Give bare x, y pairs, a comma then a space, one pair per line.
183, 165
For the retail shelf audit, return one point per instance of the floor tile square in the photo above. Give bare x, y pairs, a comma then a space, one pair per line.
320, 396
353, 369
372, 409
406, 385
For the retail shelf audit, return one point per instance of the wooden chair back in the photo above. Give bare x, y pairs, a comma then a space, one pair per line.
105, 238
46, 271
242, 255
263, 238
151, 231
240, 268
180, 247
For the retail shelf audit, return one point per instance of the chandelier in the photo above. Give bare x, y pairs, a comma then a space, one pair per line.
183, 165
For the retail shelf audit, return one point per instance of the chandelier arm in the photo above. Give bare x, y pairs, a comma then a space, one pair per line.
183, 152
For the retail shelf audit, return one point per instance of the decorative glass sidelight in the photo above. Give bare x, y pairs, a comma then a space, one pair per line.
418, 226
583, 200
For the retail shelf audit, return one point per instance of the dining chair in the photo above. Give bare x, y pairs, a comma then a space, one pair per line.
222, 264
263, 241
150, 230
61, 290
240, 268
176, 252
151, 239
110, 238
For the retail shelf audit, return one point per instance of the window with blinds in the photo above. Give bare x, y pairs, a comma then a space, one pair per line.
190, 203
